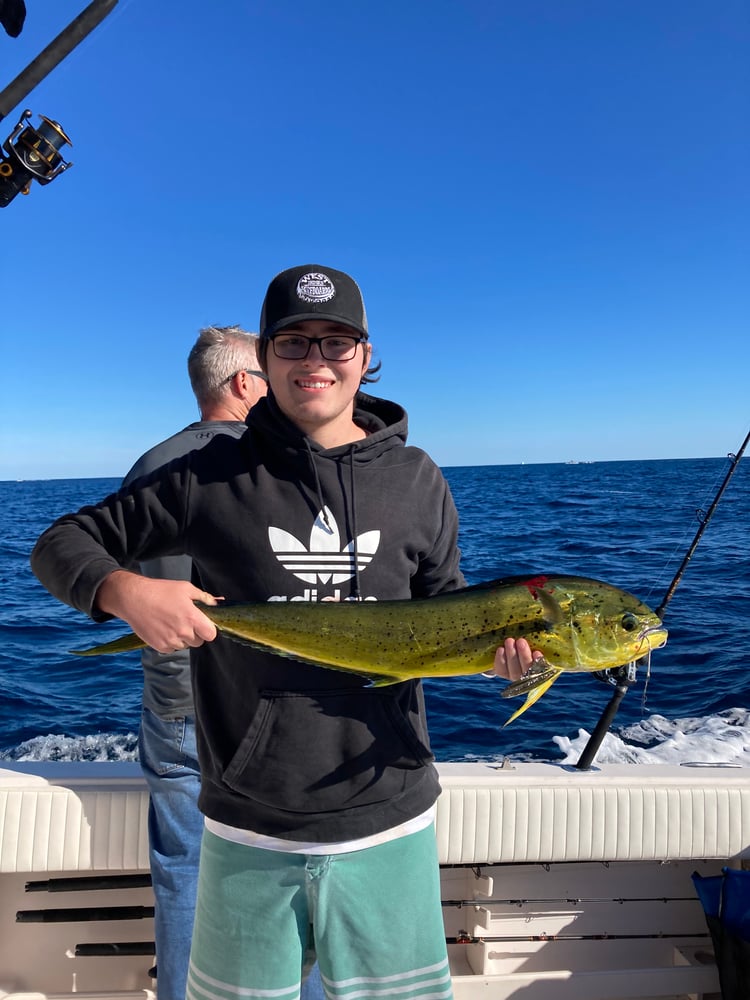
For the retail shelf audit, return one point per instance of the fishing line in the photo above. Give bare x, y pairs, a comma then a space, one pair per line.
623, 677
704, 518
714, 490
700, 515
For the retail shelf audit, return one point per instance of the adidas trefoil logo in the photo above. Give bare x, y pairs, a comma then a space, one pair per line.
325, 560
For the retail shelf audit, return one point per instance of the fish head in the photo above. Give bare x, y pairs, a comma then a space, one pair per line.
628, 636
606, 627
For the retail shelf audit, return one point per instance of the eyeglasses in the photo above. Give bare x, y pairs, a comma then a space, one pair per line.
293, 347
250, 371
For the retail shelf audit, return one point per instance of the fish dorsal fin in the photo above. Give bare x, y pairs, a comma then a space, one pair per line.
503, 581
553, 613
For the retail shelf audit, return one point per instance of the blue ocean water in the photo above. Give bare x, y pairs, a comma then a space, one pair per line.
629, 523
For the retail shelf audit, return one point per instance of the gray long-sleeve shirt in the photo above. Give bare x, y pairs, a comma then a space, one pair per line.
167, 690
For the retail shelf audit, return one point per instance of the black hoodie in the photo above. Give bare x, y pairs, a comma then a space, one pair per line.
287, 749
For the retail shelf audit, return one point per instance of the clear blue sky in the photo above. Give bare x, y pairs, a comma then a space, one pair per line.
546, 203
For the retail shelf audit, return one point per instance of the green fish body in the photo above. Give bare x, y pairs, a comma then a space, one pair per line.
577, 623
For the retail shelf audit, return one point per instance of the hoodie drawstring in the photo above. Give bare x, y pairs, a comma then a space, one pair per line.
353, 514
318, 490
352, 511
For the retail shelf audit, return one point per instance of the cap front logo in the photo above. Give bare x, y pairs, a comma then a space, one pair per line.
315, 287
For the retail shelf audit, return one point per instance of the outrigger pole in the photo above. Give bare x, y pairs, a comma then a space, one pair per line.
623, 677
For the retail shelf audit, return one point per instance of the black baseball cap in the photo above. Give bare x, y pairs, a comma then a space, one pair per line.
312, 291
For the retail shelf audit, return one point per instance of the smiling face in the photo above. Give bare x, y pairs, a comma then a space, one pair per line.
316, 394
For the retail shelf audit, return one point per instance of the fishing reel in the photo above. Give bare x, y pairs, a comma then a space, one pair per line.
617, 676
31, 154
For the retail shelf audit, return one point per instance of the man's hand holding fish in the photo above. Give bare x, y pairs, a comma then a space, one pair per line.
162, 612
514, 659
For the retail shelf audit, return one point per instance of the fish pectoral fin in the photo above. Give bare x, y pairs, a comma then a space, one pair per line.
538, 673
125, 644
553, 613
535, 693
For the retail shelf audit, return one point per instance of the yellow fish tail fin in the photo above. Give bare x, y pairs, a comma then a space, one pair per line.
534, 695
125, 644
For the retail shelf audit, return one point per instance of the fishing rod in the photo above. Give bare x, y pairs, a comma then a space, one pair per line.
482, 903
625, 676
33, 153
704, 518
54, 53
89, 883
462, 937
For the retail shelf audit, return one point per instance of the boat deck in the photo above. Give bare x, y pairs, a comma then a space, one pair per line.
557, 884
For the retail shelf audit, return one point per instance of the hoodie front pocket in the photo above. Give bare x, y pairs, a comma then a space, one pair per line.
326, 750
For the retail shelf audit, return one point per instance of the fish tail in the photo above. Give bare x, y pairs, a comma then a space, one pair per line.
533, 696
125, 644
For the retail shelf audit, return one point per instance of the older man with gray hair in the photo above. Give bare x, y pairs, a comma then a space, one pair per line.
227, 383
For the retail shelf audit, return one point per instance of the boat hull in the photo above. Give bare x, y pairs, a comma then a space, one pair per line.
557, 883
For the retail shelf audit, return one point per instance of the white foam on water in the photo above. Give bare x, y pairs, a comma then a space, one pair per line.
714, 739
99, 747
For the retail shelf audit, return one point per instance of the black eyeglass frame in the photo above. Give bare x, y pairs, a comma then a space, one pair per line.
320, 342
250, 371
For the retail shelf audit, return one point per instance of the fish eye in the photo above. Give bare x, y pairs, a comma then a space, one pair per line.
629, 622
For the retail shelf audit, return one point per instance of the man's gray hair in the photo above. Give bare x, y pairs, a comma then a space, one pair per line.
217, 354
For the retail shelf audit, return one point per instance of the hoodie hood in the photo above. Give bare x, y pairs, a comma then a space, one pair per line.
385, 422
382, 419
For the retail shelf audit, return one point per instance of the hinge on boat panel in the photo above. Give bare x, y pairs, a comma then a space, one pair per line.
505, 765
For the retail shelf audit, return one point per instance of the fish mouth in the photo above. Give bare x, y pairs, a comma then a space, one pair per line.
655, 637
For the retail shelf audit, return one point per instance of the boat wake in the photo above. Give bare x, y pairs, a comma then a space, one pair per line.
100, 747
715, 739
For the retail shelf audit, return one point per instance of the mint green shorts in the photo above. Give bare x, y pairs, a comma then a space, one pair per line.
372, 918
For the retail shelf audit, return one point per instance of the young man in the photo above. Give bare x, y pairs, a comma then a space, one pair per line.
227, 383
318, 790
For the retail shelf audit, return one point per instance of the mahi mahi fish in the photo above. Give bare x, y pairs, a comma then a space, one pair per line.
577, 624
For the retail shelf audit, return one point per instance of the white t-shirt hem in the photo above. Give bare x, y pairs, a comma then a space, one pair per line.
251, 839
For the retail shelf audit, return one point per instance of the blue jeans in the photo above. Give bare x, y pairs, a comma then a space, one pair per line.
169, 762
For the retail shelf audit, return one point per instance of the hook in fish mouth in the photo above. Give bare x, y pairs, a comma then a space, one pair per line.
647, 632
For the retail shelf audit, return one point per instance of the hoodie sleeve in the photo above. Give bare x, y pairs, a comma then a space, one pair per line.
439, 569
75, 554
